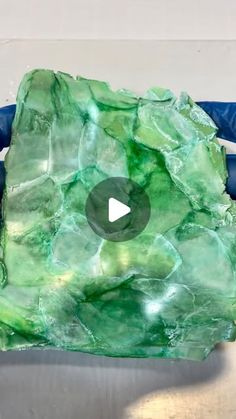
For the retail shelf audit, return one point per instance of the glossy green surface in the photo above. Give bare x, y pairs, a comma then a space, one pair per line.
171, 291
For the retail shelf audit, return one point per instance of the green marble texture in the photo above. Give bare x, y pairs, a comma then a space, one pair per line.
171, 291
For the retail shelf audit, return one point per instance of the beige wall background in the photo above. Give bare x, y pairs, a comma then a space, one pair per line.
118, 19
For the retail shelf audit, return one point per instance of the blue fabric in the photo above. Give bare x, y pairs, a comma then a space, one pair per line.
222, 113
6, 117
231, 181
224, 116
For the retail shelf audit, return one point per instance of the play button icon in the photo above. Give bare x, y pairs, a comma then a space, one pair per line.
117, 209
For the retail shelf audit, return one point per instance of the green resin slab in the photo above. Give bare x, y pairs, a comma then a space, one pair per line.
171, 291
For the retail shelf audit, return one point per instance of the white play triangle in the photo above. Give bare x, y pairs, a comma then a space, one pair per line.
116, 209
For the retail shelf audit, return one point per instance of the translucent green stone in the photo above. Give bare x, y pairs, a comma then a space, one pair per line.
171, 291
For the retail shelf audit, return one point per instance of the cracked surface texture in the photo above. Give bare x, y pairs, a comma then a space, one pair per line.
171, 291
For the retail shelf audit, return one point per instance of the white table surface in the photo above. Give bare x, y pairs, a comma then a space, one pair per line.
60, 385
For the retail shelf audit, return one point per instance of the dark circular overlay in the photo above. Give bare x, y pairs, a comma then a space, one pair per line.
127, 192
